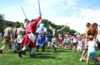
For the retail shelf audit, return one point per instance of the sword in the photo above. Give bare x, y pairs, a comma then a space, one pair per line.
39, 7
23, 12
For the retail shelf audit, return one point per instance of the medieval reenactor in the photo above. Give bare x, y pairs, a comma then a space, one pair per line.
30, 29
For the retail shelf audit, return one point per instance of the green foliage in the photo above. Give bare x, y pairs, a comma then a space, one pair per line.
1, 17
72, 32
2, 25
26, 20
18, 24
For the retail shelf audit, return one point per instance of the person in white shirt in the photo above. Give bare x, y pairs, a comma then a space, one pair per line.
20, 33
91, 49
75, 41
80, 44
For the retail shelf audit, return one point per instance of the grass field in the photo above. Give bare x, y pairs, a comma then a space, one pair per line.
62, 57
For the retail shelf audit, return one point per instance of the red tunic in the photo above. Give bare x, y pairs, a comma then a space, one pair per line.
60, 41
32, 25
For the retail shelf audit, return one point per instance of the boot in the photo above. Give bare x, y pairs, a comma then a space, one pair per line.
14, 51
9, 46
24, 52
20, 53
37, 50
32, 55
43, 50
55, 50
1, 52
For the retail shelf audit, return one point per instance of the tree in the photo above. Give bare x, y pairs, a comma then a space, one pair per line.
1, 17
72, 32
2, 25
26, 20
18, 24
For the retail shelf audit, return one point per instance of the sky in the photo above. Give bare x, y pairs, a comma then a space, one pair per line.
74, 13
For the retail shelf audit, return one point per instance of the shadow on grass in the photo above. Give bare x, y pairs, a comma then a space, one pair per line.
94, 64
62, 51
45, 57
48, 57
41, 56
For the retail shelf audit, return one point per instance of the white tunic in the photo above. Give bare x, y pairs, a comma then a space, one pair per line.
20, 33
8, 31
91, 46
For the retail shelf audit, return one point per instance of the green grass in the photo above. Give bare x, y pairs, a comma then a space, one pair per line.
62, 57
